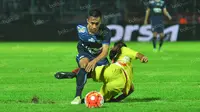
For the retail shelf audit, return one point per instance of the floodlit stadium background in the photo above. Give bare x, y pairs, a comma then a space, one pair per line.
38, 38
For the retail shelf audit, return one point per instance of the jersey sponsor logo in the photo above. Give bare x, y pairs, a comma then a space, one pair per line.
145, 33
157, 10
94, 50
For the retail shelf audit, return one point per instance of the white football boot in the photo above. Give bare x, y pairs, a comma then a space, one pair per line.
76, 101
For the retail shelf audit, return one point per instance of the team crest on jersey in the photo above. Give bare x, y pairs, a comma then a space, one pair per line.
126, 59
81, 29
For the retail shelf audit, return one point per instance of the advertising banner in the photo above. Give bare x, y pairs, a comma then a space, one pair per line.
67, 32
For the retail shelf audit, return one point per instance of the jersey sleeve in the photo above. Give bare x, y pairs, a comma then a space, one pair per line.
131, 53
149, 4
107, 36
164, 5
81, 31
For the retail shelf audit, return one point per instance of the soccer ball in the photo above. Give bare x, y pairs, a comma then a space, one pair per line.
94, 100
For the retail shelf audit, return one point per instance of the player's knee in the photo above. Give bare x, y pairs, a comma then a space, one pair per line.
161, 36
83, 62
83, 66
154, 34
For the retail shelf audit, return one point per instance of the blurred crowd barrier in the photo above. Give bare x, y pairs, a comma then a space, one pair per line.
115, 11
55, 20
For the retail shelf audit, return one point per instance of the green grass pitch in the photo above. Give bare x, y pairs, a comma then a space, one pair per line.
170, 82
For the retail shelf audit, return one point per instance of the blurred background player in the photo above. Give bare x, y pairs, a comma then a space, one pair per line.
155, 9
117, 77
93, 47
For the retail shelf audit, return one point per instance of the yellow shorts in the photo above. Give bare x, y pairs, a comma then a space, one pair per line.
113, 78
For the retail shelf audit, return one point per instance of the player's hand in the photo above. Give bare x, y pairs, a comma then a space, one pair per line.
90, 66
144, 59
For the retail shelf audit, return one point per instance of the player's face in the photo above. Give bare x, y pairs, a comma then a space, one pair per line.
93, 24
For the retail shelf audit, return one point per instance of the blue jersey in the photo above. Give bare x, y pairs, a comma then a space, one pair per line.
156, 8
92, 44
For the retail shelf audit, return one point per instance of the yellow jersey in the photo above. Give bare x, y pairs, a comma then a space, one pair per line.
125, 60
122, 68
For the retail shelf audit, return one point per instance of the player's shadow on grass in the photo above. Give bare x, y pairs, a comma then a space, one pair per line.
141, 99
128, 100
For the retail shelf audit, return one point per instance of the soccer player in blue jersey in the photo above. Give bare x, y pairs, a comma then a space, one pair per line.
93, 47
156, 9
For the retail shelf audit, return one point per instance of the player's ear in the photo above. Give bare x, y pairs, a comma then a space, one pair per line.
87, 20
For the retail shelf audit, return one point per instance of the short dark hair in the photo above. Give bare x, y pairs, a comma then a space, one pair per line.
95, 13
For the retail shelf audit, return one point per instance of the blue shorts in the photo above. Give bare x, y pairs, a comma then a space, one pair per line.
90, 57
84, 54
157, 24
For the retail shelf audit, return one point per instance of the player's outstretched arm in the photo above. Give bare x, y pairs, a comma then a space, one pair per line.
147, 16
142, 58
91, 65
167, 14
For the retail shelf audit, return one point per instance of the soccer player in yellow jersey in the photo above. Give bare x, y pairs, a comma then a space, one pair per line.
117, 77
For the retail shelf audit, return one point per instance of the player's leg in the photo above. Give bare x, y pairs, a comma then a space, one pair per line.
157, 26
107, 92
161, 40
113, 88
160, 30
81, 79
71, 75
64, 75
123, 96
154, 31
154, 41
68, 75
99, 63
